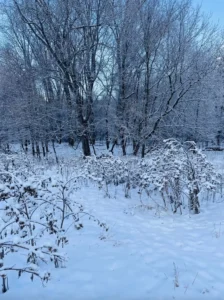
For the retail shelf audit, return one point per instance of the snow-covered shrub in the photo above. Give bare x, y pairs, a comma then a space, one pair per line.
176, 171
23, 230
35, 212
180, 171
111, 170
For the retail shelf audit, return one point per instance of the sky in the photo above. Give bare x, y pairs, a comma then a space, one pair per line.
215, 7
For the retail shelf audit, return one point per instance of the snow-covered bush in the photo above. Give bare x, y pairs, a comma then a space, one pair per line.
176, 171
26, 222
112, 170
182, 171
35, 211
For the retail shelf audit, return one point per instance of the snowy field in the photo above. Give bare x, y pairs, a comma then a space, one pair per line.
147, 253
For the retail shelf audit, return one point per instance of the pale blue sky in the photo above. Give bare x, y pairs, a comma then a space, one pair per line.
216, 7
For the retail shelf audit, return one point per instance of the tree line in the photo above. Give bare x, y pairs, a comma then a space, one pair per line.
121, 71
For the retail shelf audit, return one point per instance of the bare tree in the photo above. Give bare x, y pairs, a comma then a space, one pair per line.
122, 70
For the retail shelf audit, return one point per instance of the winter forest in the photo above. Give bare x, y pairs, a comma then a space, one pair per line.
111, 150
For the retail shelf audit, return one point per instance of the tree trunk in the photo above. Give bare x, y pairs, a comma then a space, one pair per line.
46, 146
55, 153
136, 147
123, 146
38, 149
71, 141
85, 145
26, 145
43, 149
107, 143
112, 148
143, 150
33, 149
107, 136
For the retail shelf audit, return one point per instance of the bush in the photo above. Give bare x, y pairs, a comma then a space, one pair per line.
36, 210
176, 171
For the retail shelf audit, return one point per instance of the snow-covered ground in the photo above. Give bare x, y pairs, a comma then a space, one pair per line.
147, 253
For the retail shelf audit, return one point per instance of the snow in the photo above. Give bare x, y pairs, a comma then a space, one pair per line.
147, 253
135, 258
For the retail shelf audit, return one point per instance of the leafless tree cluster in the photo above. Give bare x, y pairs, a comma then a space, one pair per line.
123, 71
